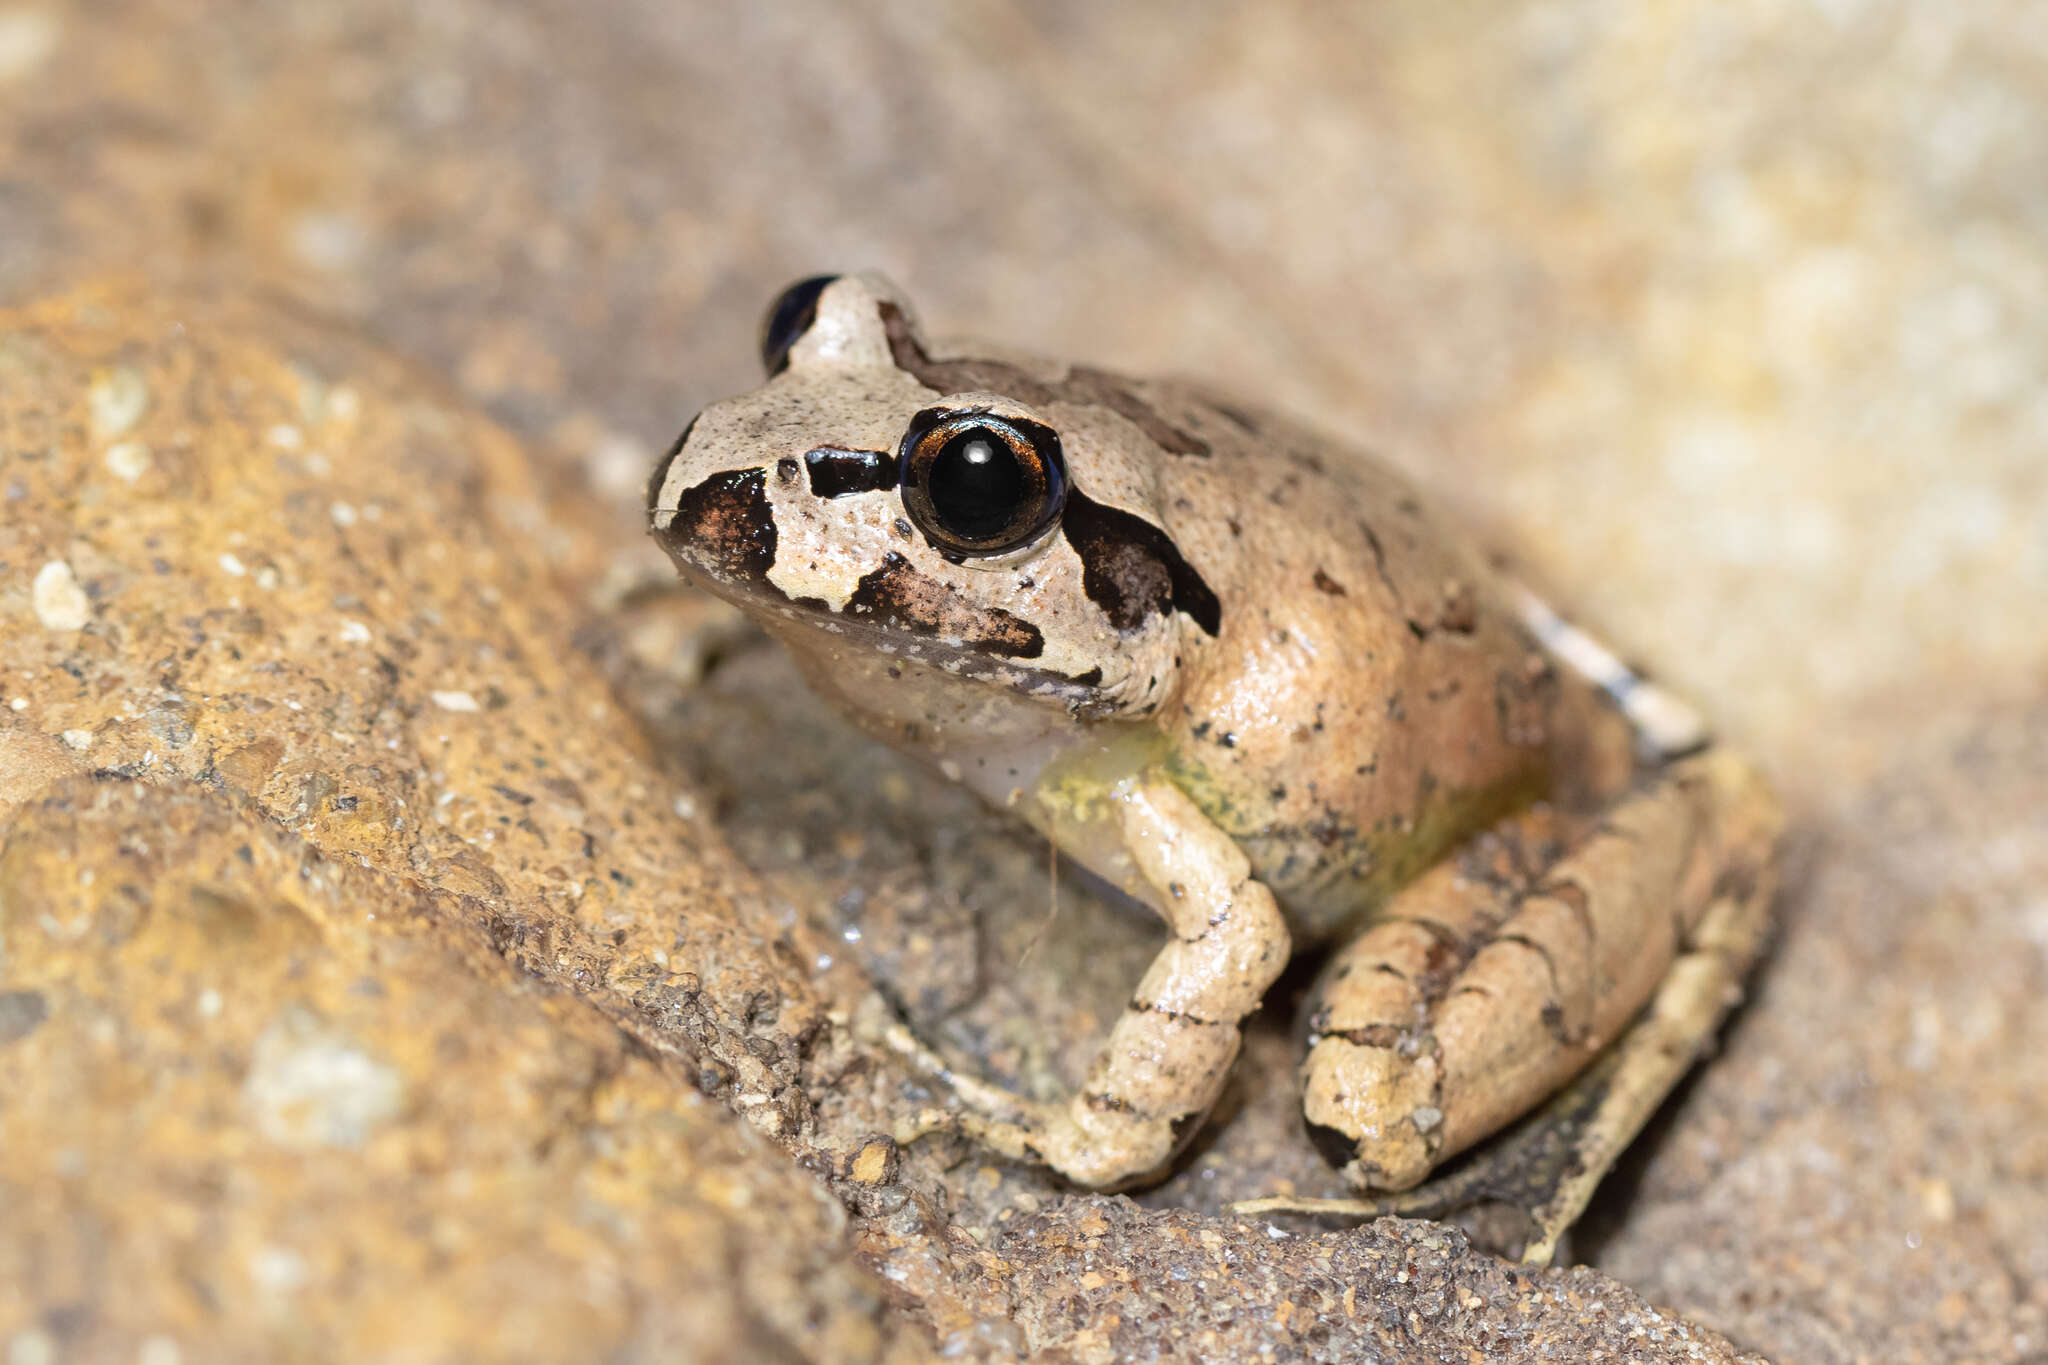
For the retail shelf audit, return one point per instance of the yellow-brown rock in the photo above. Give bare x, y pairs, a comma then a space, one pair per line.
328, 872
1726, 318
266, 1104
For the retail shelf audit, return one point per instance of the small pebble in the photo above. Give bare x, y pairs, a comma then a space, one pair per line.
59, 602
28, 38
31, 1347
455, 701
116, 401
129, 460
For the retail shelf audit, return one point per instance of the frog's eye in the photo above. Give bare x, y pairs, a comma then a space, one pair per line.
979, 485
788, 318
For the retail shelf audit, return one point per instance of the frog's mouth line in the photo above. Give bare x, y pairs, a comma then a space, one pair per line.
721, 535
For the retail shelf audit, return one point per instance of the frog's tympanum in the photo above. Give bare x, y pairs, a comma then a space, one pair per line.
1252, 679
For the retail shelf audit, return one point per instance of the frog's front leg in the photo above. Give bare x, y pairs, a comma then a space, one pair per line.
1167, 1057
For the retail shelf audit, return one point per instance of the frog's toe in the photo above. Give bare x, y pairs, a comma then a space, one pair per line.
1373, 1111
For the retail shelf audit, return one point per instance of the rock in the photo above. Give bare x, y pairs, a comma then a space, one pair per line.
1723, 319
264, 1103
334, 1020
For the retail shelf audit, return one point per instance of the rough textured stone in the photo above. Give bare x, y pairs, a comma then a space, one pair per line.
266, 1104
310, 840
1725, 319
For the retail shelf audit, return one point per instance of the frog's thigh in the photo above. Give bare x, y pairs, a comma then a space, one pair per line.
1470, 1002
1167, 1057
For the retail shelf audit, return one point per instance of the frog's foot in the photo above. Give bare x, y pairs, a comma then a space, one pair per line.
1170, 1051
1474, 996
1666, 728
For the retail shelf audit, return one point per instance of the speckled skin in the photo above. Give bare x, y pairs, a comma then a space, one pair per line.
1367, 699
1247, 677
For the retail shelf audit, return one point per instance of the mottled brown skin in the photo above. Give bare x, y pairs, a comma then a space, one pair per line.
1250, 679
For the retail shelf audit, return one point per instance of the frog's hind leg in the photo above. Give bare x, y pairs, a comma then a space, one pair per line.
1666, 728
1496, 978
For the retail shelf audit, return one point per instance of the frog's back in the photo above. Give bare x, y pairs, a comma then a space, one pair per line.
1371, 697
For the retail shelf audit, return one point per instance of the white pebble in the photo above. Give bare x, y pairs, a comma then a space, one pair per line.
116, 400
309, 1086
28, 38
455, 701
354, 633
231, 565
285, 436
78, 739
129, 460
60, 603
279, 1269
343, 514
31, 1347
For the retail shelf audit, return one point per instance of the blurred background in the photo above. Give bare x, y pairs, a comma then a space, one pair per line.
1727, 320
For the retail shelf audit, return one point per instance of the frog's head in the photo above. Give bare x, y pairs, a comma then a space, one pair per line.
991, 518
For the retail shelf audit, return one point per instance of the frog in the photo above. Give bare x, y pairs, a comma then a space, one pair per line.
1250, 677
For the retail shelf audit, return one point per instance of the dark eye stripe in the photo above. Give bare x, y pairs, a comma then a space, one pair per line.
1132, 569
842, 473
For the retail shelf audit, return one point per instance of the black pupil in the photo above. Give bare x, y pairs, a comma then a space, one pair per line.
977, 486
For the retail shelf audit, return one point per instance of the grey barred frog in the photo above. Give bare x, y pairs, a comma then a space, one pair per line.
1253, 680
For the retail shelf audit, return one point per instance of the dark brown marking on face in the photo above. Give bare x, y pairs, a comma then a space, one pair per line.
724, 527
1132, 570
841, 473
898, 596
1097, 388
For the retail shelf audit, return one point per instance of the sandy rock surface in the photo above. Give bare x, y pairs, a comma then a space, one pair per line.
1725, 320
